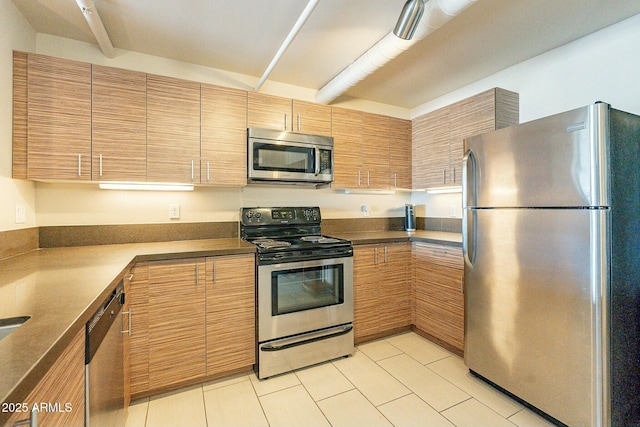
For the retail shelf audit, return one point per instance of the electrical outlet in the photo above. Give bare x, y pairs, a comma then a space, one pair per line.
453, 211
365, 210
21, 214
174, 211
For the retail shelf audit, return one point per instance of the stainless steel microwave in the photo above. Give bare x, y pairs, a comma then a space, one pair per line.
288, 157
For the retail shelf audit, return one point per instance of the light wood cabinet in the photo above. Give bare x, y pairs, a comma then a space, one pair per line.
173, 130
400, 153
439, 299
138, 299
347, 142
382, 290
438, 137
58, 119
375, 152
292, 115
372, 151
62, 385
311, 118
230, 313
119, 124
177, 340
191, 320
223, 136
268, 112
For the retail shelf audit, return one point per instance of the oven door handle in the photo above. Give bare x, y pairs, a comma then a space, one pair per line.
308, 338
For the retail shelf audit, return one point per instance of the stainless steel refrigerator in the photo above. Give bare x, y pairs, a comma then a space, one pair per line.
551, 231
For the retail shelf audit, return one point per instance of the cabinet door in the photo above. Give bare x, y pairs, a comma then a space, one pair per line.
269, 112
346, 128
395, 287
20, 116
177, 332
224, 136
311, 118
59, 119
119, 124
63, 384
400, 153
230, 313
375, 151
439, 299
173, 130
138, 299
431, 152
366, 282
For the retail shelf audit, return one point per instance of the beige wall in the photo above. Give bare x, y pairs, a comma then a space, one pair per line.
15, 33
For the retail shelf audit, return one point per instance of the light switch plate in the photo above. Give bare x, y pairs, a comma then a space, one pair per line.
21, 214
174, 211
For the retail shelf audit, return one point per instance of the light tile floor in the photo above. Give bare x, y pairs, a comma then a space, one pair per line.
403, 380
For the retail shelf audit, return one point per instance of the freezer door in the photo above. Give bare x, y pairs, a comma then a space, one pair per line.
535, 290
556, 161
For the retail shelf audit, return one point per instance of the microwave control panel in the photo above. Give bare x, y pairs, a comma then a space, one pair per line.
275, 216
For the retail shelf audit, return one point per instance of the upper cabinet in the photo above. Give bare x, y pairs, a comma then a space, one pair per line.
53, 118
372, 151
173, 130
274, 112
438, 136
400, 153
119, 124
223, 136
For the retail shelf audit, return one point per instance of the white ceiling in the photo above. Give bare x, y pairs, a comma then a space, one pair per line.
243, 36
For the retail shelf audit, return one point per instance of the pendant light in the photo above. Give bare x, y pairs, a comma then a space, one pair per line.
409, 18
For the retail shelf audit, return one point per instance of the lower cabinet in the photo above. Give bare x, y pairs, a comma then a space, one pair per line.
59, 395
439, 300
382, 289
191, 320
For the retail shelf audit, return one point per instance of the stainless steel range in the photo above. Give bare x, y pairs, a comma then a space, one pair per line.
304, 289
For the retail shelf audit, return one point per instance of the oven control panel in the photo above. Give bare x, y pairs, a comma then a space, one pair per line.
277, 216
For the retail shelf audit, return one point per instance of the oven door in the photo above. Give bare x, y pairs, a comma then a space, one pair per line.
298, 297
289, 161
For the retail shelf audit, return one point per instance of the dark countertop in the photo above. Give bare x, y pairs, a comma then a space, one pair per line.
61, 289
372, 237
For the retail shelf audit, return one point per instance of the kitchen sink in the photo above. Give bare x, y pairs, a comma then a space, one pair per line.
11, 324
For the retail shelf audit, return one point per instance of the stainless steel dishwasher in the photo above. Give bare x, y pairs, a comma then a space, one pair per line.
104, 364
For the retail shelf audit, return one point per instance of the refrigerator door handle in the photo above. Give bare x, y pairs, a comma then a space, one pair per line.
469, 217
469, 227
469, 192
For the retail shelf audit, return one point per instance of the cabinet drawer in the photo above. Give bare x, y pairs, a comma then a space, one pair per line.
446, 256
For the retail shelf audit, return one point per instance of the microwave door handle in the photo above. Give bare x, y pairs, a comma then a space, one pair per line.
317, 152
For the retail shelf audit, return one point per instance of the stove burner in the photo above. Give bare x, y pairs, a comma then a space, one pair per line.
319, 239
270, 243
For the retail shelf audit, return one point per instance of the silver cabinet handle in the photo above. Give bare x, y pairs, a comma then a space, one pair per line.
130, 278
368, 179
395, 179
285, 121
100, 164
193, 170
299, 123
358, 178
453, 175
32, 421
208, 171
375, 256
128, 331
385, 254
197, 274
444, 176
79, 164
215, 271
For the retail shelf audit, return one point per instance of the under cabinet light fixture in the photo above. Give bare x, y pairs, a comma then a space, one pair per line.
145, 186
444, 190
